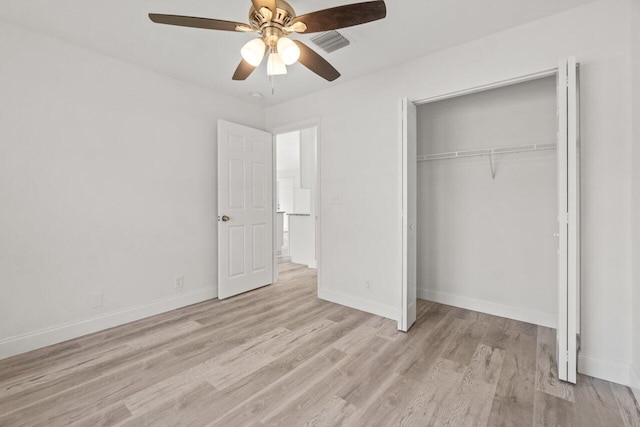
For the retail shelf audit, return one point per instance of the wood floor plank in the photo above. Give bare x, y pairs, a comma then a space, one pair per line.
281, 356
514, 338
334, 413
289, 386
391, 403
470, 402
386, 328
419, 361
308, 401
60, 406
227, 370
465, 342
183, 410
433, 394
13, 366
35, 379
110, 416
550, 410
513, 400
595, 403
627, 404
374, 373
293, 363
547, 367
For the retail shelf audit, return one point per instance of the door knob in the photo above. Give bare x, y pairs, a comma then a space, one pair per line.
225, 218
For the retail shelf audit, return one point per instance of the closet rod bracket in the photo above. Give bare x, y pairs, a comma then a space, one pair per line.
493, 168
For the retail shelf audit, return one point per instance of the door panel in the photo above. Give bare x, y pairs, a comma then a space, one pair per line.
245, 209
408, 120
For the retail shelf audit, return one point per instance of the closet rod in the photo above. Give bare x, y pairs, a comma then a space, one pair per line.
487, 151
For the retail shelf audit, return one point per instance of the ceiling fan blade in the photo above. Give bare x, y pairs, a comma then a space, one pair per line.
316, 63
269, 4
243, 71
205, 23
342, 16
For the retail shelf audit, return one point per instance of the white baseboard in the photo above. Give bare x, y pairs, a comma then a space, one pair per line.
307, 262
57, 334
383, 310
536, 317
635, 382
615, 372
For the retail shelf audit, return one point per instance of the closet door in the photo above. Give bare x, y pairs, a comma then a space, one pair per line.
568, 221
409, 142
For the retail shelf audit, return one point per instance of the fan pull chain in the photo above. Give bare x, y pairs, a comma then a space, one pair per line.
273, 84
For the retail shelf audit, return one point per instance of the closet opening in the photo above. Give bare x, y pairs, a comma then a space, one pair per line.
490, 210
487, 201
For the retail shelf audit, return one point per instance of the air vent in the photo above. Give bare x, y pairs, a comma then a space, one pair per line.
330, 41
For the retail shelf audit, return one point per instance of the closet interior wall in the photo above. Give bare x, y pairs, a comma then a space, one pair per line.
487, 243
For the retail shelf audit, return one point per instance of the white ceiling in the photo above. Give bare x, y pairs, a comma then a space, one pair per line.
413, 28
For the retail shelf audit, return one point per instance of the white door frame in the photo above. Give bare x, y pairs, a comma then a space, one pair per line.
574, 290
568, 220
301, 125
498, 84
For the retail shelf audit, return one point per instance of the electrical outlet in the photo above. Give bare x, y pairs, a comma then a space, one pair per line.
179, 282
95, 300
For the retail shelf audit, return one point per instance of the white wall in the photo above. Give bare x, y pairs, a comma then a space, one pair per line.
107, 184
635, 215
488, 244
360, 175
288, 151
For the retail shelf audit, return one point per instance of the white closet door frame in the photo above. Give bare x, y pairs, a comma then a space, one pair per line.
568, 202
568, 221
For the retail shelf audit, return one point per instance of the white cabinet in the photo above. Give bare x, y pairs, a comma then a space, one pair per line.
302, 239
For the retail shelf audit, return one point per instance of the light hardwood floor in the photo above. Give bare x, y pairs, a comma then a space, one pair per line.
278, 356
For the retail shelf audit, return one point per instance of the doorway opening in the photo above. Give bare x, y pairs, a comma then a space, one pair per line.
296, 198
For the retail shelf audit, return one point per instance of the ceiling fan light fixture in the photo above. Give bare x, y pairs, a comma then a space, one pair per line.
275, 66
253, 52
288, 50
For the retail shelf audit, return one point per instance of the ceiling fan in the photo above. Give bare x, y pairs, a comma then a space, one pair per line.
275, 20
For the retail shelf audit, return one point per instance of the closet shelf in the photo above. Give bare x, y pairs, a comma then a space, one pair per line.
487, 151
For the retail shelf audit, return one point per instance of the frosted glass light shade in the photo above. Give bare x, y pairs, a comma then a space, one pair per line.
275, 66
288, 50
253, 52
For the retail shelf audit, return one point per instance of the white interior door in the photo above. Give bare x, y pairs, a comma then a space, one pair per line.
245, 209
409, 138
568, 221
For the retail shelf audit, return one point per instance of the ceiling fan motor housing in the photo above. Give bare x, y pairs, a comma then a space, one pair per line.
282, 18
